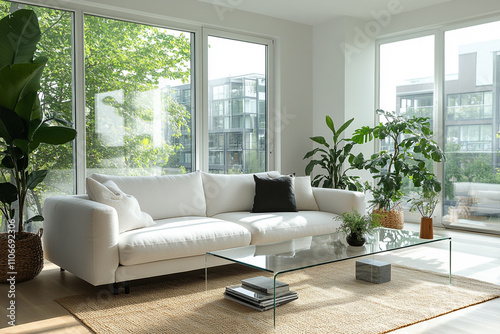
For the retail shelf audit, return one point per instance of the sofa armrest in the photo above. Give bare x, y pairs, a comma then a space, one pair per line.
81, 236
339, 201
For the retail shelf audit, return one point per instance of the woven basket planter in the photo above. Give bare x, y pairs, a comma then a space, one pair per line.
391, 219
28, 256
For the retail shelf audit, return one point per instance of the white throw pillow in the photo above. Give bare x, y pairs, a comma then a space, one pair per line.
130, 216
304, 197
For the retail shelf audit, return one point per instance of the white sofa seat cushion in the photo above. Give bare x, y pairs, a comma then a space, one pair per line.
164, 196
279, 226
180, 237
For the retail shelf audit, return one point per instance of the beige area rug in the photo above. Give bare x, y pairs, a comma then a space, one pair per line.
330, 300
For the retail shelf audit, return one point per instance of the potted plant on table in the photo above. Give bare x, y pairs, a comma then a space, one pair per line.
23, 128
355, 225
425, 202
332, 158
412, 147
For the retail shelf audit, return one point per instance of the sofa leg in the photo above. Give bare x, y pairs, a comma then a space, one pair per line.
62, 269
127, 287
116, 287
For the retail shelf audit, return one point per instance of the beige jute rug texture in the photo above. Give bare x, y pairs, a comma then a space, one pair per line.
331, 300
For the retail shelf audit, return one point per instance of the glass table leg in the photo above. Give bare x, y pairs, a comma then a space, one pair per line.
450, 262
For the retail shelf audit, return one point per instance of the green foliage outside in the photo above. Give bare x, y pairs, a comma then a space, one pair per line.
133, 58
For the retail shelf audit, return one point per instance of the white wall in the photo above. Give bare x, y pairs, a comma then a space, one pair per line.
328, 76
343, 80
293, 55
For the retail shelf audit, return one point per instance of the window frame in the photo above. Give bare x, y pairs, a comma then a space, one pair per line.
199, 78
271, 119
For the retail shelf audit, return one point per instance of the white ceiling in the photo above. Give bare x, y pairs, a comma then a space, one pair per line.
314, 12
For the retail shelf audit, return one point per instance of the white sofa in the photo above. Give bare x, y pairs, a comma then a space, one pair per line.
478, 199
193, 213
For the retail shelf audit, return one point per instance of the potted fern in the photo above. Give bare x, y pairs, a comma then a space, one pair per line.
355, 225
23, 128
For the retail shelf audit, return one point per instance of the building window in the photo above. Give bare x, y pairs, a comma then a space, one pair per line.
462, 106
237, 77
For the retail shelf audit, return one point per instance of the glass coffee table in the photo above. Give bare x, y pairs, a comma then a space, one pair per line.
296, 254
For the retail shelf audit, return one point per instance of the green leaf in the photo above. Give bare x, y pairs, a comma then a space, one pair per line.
363, 135
20, 35
54, 135
344, 126
35, 178
310, 166
7, 162
8, 193
329, 123
11, 125
320, 140
310, 153
37, 218
19, 82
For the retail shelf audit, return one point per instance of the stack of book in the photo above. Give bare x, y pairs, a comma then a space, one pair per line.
258, 293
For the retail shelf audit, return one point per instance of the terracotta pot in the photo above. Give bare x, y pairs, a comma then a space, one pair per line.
426, 228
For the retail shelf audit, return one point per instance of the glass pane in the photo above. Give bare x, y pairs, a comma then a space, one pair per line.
472, 178
239, 67
138, 98
407, 83
56, 97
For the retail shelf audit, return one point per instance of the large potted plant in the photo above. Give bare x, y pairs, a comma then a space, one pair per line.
23, 128
412, 148
331, 159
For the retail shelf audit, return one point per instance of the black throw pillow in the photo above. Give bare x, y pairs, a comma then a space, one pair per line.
274, 194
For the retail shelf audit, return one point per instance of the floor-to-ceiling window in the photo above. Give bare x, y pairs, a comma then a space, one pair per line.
237, 105
56, 101
468, 124
472, 124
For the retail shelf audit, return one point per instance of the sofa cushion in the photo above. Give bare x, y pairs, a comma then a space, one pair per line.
129, 212
304, 197
163, 196
274, 194
180, 237
279, 226
230, 192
